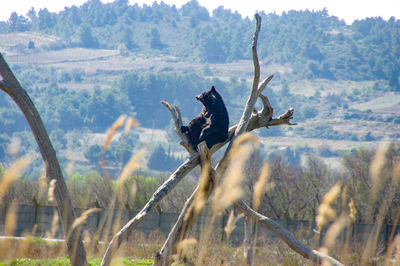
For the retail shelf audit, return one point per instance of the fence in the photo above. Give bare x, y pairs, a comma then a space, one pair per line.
38, 220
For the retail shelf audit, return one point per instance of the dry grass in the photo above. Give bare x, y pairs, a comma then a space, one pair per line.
210, 248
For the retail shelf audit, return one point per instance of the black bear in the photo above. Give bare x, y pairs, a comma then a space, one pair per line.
194, 128
213, 130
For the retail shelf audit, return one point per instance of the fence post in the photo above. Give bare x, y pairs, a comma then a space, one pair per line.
36, 206
98, 214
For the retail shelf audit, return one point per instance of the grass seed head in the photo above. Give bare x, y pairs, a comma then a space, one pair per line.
325, 211
130, 122
111, 132
230, 190
81, 219
375, 170
261, 186
231, 223
13, 173
52, 186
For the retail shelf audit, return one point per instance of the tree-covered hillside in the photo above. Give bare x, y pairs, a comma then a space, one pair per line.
87, 65
315, 44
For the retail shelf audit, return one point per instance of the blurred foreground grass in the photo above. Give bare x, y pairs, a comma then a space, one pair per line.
65, 261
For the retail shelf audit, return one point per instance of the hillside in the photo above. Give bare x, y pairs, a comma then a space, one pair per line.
342, 80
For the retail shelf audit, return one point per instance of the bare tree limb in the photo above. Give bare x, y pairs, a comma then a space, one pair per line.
176, 116
181, 226
248, 122
173, 180
73, 237
285, 235
191, 209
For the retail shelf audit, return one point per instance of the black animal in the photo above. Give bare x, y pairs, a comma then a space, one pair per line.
194, 128
211, 125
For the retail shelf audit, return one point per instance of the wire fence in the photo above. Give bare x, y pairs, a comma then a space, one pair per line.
40, 221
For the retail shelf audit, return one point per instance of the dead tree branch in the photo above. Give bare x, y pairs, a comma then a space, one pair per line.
249, 118
285, 235
176, 115
248, 122
73, 237
191, 209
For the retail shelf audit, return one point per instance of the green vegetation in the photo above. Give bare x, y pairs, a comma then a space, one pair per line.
315, 44
87, 65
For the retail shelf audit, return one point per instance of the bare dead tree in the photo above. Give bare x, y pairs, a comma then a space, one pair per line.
251, 119
73, 238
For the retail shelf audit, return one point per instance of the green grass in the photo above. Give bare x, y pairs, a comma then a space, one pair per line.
65, 261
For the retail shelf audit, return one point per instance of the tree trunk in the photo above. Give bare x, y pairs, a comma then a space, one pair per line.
11, 86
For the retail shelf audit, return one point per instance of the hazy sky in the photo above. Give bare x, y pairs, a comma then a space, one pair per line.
349, 10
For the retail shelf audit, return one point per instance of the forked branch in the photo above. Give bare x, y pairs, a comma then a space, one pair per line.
176, 116
248, 122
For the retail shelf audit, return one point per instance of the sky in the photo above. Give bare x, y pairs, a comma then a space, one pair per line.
349, 10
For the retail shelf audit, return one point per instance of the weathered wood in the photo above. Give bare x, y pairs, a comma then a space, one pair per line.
249, 119
182, 227
73, 238
285, 235
191, 209
248, 122
176, 116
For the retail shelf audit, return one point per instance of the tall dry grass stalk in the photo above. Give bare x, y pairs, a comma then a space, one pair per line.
205, 181
325, 212
260, 187
112, 130
112, 224
231, 223
52, 186
134, 163
81, 219
186, 246
334, 230
375, 170
130, 122
54, 224
230, 189
353, 211
13, 173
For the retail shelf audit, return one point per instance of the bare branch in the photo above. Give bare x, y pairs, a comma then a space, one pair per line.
286, 236
251, 101
248, 122
264, 84
176, 116
72, 236
191, 209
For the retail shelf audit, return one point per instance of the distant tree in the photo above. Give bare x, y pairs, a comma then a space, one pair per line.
211, 50
161, 160
18, 23
47, 20
195, 11
155, 40
93, 153
86, 37
127, 40
394, 80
